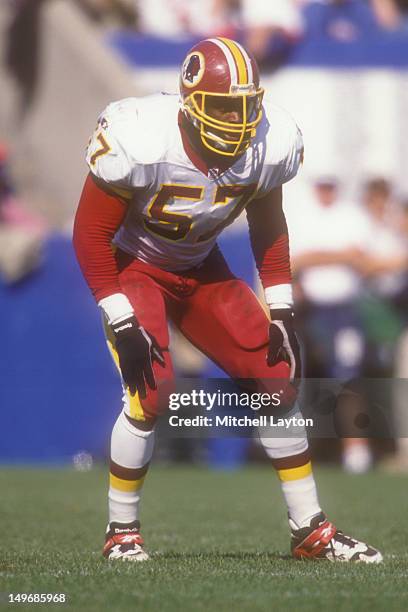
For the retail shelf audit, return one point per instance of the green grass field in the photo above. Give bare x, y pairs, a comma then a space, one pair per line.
219, 542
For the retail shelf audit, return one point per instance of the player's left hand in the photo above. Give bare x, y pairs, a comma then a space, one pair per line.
137, 350
283, 342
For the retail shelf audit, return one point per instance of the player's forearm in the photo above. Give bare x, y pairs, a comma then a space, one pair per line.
274, 263
270, 245
98, 217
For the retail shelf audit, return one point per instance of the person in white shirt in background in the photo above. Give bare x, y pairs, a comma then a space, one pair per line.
263, 20
178, 19
399, 463
388, 247
387, 283
327, 248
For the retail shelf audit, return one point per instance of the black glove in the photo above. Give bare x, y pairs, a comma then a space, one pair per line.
283, 343
136, 350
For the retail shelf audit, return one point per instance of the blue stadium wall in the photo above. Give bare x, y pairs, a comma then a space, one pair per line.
59, 391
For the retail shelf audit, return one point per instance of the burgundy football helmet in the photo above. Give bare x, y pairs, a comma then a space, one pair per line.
219, 73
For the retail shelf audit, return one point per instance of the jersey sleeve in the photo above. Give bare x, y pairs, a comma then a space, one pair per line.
110, 153
283, 157
97, 218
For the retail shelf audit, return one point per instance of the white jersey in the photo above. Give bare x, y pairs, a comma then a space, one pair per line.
176, 212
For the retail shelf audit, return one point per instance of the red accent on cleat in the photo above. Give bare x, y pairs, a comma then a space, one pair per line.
122, 538
314, 543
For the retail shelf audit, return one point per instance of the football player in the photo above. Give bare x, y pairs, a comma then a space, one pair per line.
167, 174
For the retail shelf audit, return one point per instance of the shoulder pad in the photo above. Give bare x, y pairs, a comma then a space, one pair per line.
129, 137
284, 147
283, 136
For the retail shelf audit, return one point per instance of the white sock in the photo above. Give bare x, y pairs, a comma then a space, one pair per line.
131, 451
290, 457
301, 500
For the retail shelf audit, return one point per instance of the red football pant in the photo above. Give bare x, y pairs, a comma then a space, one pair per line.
217, 312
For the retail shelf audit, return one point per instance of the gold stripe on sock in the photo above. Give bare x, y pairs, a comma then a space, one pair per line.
127, 486
127, 473
295, 473
293, 461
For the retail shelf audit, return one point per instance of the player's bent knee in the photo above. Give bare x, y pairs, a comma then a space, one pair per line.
148, 409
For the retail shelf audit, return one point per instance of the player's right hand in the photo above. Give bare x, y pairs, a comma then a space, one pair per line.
137, 350
283, 342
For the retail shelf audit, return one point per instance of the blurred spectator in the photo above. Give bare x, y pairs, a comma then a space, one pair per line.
387, 12
21, 233
23, 48
327, 263
341, 20
388, 253
399, 463
184, 18
270, 28
326, 255
391, 14
111, 12
403, 6
385, 307
388, 270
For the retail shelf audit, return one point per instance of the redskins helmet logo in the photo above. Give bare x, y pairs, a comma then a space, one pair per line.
193, 69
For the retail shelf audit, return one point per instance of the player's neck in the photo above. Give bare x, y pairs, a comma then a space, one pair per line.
204, 160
